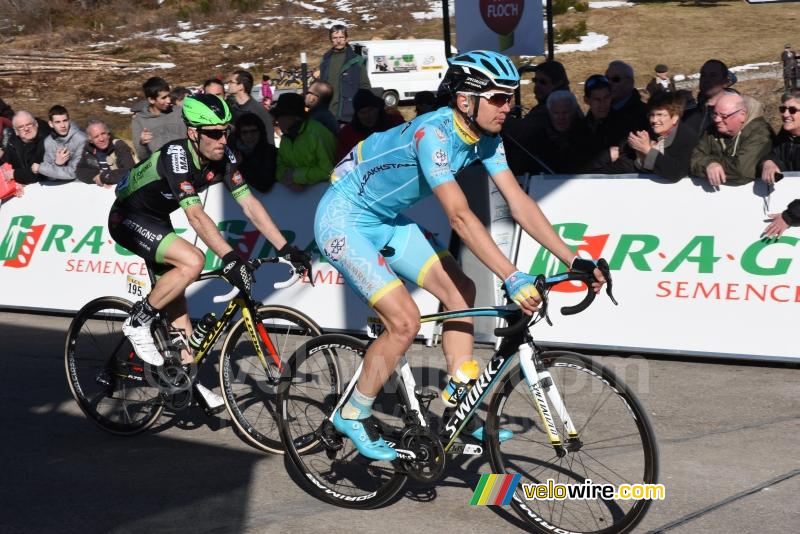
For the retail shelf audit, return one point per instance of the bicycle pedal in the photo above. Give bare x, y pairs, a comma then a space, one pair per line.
470, 449
426, 393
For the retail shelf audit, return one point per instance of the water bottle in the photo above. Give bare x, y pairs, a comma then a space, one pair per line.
460, 383
200, 331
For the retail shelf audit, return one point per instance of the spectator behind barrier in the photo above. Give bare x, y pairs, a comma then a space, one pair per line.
63, 147
25, 149
730, 153
785, 154
105, 160
668, 152
157, 124
240, 84
424, 102
714, 79
518, 134
178, 94
318, 101
213, 86
5, 110
257, 158
661, 82
628, 112
305, 156
345, 70
370, 117
600, 148
559, 144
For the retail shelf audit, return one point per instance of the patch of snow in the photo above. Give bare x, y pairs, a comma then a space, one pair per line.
120, 109
752, 66
678, 78
367, 17
164, 65
184, 25
247, 65
317, 23
603, 5
309, 6
103, 44
434, 10
590, 41
343, 5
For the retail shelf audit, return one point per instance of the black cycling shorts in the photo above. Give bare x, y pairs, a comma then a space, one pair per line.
146, 236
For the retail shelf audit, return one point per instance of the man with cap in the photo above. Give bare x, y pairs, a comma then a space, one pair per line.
789, 60
661, 82
305, 156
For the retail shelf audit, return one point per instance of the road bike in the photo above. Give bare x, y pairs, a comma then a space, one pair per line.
574, 421
124, 395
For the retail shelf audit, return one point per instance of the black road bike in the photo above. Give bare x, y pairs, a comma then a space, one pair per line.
124, 395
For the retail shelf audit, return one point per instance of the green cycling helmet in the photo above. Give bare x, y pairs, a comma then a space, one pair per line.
205, 110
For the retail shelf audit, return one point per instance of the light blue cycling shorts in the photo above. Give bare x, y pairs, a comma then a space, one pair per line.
370, 251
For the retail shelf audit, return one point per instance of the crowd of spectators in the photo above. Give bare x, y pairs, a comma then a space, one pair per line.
718, 135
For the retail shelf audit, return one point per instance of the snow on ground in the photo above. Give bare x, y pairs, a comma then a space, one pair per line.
309, 6
317, 23
246, 65
434, 10
590, 41
752, 66
603, 5
119, 109
162, 65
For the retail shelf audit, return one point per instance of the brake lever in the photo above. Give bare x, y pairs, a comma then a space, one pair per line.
602, 265
540, 284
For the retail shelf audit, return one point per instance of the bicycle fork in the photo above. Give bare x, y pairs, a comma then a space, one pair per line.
540, 383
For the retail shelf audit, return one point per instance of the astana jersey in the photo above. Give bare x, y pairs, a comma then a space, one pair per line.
392, 170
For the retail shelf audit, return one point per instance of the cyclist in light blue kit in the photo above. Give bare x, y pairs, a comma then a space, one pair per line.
360, 216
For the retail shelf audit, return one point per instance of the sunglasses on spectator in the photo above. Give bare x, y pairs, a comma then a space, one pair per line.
791, 109
312, 93
596, 79
496, 98
617, 79
215, 134
726, 116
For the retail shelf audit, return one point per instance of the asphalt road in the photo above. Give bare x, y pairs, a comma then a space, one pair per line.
729, 435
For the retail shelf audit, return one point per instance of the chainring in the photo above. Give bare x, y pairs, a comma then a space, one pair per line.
428, 449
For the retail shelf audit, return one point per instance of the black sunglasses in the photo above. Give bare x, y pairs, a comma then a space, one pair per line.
215, 134
791, 109
617, 79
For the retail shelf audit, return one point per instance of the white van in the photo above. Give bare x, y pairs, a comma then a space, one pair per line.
404, 67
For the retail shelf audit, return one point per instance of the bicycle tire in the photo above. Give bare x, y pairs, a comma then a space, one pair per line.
96, 350
248, 391
309, 391
618, 445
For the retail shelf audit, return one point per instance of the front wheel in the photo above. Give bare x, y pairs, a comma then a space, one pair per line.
330, 467
105, 377
249, 382
617, 445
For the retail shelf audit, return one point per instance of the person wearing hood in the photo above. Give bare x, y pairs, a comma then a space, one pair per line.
305, 156
63, 147
257, 158
158, 124
369, 116
730, 152
105, 160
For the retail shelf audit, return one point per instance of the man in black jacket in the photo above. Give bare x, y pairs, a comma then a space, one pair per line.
628, 112
25, 150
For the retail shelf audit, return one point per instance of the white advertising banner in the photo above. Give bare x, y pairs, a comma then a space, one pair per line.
56, 254
690, 271
512, 27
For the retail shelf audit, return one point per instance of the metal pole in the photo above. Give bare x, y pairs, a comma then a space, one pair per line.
551, 48
446, 27
304, 71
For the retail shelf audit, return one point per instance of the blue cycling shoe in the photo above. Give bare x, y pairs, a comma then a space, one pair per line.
502, 434
364, 435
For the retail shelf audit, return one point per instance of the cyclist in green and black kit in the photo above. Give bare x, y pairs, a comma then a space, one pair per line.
171, 178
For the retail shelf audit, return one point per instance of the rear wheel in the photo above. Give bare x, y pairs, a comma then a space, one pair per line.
330, 467
105, 377
249, 383
618, 445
